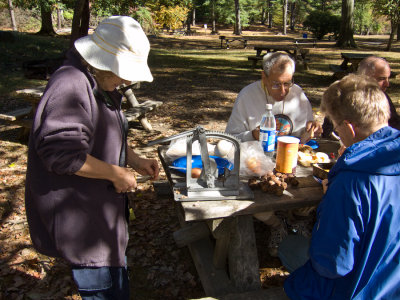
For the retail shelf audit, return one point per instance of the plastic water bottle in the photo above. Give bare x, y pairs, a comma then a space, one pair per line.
267, 131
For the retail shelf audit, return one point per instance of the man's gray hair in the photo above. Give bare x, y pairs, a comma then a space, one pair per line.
281, 60
368, 65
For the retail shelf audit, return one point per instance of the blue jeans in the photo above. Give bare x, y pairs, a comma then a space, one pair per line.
103, 283
293, 251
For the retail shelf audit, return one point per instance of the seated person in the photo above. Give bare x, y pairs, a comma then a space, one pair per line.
378, 69
355, 245
292, 110
293, 114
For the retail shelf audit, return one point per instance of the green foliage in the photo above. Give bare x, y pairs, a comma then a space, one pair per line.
321, 23
388, 8
144, 16
364, 20
68, 14
171, 17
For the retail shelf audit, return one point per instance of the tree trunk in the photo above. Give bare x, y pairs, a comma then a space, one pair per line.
47, 24
263, 16
346, 38
59, 18
393, 32
194, 17
12, 15
284, 16
292, 15
269, 14
213, 29
80, 21
398, 32
238, 25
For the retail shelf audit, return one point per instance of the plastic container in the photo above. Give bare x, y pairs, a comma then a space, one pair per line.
268, 131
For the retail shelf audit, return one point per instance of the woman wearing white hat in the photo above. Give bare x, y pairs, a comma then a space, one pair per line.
77, 176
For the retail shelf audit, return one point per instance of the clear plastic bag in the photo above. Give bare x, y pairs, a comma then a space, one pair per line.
253, 161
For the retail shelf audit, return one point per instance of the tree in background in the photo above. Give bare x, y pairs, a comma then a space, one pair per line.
321, 23
238, 26
80, 21
390, 9
12, 15
346, 38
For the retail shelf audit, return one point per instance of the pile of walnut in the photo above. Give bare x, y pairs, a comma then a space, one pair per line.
273, 183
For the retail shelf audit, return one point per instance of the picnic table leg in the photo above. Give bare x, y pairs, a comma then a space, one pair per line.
242, 257
130, 96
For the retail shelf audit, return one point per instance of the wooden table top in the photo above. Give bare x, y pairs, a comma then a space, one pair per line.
354, 56
308, 193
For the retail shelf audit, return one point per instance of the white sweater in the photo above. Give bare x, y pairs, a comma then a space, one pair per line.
250, 106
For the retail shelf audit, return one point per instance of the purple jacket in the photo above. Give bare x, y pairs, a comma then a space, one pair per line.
79, 219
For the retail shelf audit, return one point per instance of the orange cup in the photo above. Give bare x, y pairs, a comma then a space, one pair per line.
286, 154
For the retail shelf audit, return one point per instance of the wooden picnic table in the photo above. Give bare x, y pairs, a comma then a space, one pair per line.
229, 39
349, 64
220, 234
24, 117
296, 51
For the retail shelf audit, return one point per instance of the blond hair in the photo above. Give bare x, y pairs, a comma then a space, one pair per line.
357, 99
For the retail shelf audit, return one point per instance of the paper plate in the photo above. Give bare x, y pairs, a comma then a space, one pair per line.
197, 163
313, 144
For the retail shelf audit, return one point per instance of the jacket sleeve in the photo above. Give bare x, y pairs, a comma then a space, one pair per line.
63, 126
335, 240
337, 233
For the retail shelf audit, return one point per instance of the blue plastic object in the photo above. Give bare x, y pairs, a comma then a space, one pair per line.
313, 144
197, 163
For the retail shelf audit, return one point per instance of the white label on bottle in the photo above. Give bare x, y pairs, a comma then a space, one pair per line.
268, 140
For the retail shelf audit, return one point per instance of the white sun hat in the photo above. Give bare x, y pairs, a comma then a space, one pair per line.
118, 45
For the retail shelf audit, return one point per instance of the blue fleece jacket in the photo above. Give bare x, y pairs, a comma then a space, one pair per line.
355, 245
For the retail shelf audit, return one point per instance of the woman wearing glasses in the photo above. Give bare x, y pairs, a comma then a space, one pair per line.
292, 110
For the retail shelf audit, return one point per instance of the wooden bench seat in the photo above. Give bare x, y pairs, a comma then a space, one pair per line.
338, 71
16, 115
306, 42
232, 39
134, 113
255, 59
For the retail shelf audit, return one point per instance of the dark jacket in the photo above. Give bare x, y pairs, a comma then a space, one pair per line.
79, 219
355, 245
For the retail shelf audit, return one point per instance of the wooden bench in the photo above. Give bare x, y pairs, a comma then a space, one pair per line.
141, 109
16, 115
306, 42
298, 53
254, 59
232, 39
338, 71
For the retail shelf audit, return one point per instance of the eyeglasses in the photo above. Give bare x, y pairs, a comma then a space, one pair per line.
277, 85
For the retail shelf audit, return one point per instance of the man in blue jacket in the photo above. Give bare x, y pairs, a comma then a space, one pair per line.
354, 251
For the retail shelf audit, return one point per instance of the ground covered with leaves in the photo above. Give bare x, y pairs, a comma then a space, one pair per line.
197, 83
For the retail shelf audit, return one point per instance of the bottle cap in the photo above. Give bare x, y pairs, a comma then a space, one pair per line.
269, 106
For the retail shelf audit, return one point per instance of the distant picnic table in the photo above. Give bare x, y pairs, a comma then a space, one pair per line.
24, 117
298, 53
229, 39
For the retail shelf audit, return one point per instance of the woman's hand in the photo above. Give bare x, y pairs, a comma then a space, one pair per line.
143, 166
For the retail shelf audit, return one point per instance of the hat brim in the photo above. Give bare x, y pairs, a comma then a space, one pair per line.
125, 65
